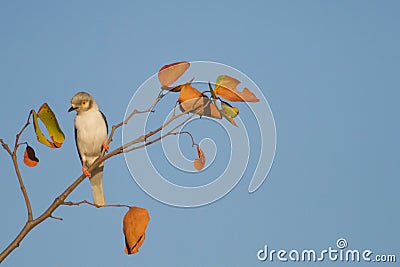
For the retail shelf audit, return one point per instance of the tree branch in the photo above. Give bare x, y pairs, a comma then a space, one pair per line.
22, 186
70, 203
134, 112
171, 132
6, 147
60, 200
13, 155
16, 145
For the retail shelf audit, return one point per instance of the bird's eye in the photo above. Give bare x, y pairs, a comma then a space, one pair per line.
83, 102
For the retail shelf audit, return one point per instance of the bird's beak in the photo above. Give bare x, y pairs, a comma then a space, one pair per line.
71, 108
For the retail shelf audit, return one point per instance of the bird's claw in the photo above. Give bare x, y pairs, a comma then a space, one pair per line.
86, 172
105, 146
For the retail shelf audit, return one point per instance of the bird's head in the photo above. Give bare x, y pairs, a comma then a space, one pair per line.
82, 102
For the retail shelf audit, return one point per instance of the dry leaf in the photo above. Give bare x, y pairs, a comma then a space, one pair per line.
47, 116
168, 74
49, 120
201, 159
226, 87
30, 158
191, 99
229, 112
135, 223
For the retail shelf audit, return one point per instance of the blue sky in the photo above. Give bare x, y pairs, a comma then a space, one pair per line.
329, 71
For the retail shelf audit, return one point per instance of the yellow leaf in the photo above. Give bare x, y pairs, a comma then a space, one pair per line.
49, 120
201, 159
30, 158
168, 74
229, 112
39, 135
192, 100
134, 227
226, 87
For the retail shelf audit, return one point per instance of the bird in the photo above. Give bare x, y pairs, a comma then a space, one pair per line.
91, 134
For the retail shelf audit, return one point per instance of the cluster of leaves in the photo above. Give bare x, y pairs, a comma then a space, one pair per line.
191, 98
208, 103
48, 118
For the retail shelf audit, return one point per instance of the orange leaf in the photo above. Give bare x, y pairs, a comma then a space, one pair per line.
201, 159
135, 224
188, 92
192, 100
30, 158
168, 74
226, 87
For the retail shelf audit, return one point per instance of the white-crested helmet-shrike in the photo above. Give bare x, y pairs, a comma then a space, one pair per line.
91, 132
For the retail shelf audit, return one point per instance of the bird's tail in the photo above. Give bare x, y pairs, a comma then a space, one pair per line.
96, 181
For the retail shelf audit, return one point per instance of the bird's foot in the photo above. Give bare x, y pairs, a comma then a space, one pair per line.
105, 146
86, 172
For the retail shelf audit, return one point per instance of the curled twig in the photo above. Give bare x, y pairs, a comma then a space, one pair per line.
188, 133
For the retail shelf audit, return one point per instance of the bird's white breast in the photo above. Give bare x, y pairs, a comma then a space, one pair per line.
91, 134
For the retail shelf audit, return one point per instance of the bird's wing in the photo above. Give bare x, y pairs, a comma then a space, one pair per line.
76, 143
105, 120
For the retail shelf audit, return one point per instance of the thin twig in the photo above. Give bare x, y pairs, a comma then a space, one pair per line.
188, 133
55, 218
16, 145
134, 112
70, 203
143, 138
6, 147
159, 138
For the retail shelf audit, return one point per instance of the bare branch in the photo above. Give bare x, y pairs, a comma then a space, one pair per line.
171, 132
22, 186
16, 145
70, 203
143, 138
13, 155
6, 147
60, 200
46, 214
134, 112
